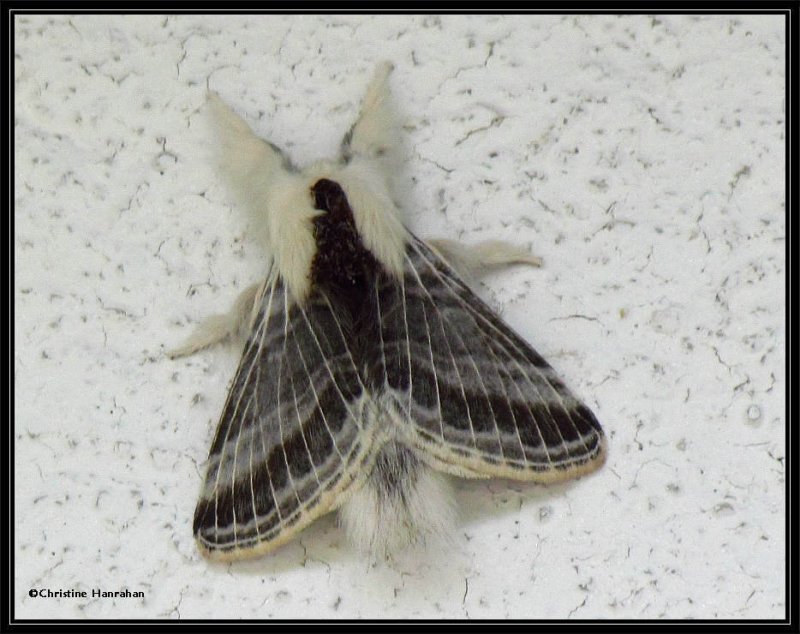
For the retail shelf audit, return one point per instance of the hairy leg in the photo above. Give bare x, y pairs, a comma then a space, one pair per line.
473, 260
217, 328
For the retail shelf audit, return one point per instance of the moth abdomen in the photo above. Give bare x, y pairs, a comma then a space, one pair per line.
403, 501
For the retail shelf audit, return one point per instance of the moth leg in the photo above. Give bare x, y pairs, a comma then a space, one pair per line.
372, 135
472, 260
217, 328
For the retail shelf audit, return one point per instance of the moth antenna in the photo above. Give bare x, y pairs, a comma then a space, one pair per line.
374, 135
249, 165
275, 195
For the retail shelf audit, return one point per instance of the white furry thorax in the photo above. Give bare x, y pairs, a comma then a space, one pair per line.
289, 213
278, 196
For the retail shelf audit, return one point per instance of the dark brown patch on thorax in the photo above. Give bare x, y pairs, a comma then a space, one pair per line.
342, 265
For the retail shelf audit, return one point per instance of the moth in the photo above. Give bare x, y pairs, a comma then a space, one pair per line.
371, 371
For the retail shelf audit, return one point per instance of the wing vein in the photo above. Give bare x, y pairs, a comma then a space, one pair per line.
258, 417
314, 389
435, 373
469, 356
408, 344
233, 418
302, 433
286, 325
344, 340
472, 312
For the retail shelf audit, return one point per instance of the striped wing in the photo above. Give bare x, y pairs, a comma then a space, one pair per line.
475, 397
288, 441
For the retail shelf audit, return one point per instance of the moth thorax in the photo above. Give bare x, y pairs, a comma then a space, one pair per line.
341, 262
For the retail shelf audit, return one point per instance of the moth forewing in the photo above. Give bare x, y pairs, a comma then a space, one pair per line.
370, 368
288, 443
498, 408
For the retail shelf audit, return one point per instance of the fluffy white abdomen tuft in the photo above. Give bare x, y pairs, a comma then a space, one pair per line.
403, 502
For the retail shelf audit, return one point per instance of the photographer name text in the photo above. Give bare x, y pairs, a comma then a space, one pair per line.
95, 593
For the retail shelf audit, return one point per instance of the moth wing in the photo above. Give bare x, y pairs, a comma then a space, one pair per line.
471, 393
290, 439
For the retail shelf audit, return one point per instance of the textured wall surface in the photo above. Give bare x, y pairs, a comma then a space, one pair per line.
641, 157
